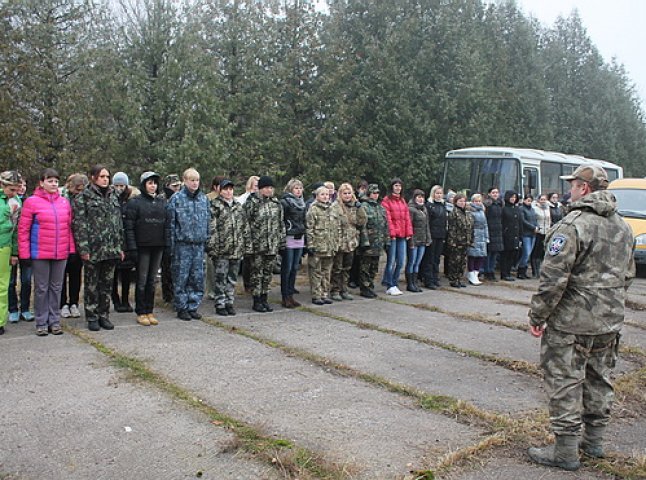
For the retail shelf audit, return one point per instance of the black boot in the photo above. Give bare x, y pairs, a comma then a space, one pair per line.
409, 283
415, 284
522, 273
265, 303
258, 306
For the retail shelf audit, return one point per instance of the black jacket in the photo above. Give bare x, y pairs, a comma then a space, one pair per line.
493, 211
511, 224
437, 219
145, 222
293, 214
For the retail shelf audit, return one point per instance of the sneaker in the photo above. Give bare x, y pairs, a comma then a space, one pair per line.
57, 330
42, 331
74, 311
394, 291
14, 317
66, 312
27, 316
152, 319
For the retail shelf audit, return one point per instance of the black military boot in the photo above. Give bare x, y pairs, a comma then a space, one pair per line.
563, 454
592, 441
409, 282
522, 273
106, 324
265, 303
258, 306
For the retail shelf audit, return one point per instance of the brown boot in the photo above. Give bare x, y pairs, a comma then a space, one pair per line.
294, 302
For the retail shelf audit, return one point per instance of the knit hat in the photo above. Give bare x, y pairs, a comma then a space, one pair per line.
120, 178
265, 181
10, 177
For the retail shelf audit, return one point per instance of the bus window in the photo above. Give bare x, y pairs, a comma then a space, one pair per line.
612, 174
550, 181
479, 174
530, 181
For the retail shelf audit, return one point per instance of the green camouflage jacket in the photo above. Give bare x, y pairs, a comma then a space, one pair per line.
351, 220
374, 236
587, 269
97, 224
229, 230
460, 230
323, 229
266, 226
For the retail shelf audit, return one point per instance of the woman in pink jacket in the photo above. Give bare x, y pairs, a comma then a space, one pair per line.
45, 239
401, 229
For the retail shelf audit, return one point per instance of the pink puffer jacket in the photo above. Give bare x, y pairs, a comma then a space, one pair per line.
45, 227
398, 215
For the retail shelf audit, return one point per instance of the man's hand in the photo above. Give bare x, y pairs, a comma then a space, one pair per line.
537, 331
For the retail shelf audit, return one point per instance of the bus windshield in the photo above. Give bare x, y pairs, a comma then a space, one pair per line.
630, 202
478, 175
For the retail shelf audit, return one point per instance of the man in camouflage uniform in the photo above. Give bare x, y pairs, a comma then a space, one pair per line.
187, 230
375, 238
228, 242
267, 229
579, 312
172, 185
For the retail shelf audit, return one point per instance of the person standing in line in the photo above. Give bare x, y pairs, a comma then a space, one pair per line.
10, 181
529, 231
544, 221
459, 237
294, 217
511, 228
374, 239
98, 232
477, 251
215, 191
228, 243
346, 210
578, 312
71, 289
493, 210
401, 229
19, 307
353, 281
172, 185
556, 209
251, 188
322, 243
145, 227
188, 218
420, 241
267, 230
124, 273
438, 221
45, 239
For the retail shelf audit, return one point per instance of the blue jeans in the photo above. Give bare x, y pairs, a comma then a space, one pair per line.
490, 262
528, 246
396, 257
291, 259
415, 256
25, 288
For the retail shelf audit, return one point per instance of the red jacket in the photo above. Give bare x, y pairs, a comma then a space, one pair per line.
398, 216
45, 227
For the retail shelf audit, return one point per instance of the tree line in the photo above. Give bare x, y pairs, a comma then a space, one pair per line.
357, 89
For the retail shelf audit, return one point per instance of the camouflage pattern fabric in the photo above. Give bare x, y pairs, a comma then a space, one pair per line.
351, 220
230, 236
225, 277
97, 287
166, 278
320, 269
262, 270
374, 236
97, 225
266, 226
458, 239
578, 367
456, 261
323, 229
341, 265
187, 267
368, 268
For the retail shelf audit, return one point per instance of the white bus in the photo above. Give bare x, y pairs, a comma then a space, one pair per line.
524, 170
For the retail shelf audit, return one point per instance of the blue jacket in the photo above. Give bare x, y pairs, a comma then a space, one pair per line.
188, 218
480, 232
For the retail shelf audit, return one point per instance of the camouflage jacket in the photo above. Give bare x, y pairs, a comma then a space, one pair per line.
229, 230
97, 224
587, 269
187, 218
266, 226
351, 220
323, 229
460, 230
374, 236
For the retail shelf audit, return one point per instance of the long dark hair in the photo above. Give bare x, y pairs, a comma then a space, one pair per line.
96, 169
49, 173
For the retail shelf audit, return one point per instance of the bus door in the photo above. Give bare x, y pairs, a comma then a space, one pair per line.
530, 181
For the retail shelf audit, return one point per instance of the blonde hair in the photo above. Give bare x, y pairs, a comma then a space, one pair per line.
191, 174
248, 186
435, 188
76, 179
321, 190
342, 188
329, 185
293, 183
476, 196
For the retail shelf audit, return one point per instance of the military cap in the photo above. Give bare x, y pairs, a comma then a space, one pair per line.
10, 177
225, 183
172, 179
373, 188
592, 174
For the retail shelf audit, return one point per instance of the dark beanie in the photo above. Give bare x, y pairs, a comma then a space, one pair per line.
265, 181
395, 181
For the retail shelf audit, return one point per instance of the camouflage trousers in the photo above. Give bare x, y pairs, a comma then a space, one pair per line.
341, 266
368, 267
166, 278
456, 260
262, 270
577, 378
320, 270
187, 266
225, 276
97, 288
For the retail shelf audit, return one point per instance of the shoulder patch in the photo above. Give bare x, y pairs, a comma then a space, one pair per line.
556, 245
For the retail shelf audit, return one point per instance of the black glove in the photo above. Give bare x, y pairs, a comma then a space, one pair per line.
132, 256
